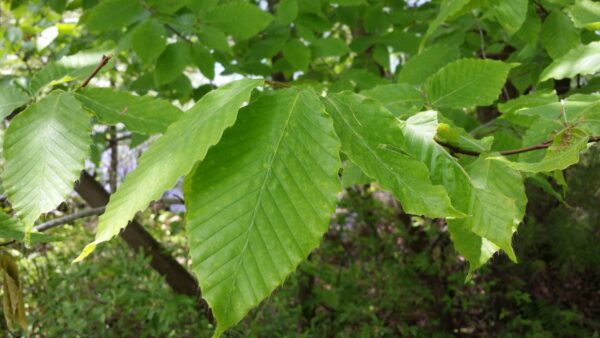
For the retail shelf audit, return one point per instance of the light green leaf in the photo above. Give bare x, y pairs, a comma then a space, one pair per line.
240, 19
562, 153
171, 156
400, 99
585, 14
213, 38
467, 82
11, 98
373, 140
511, 14
141, 114
148, 40
297, 54
583, 60
45, 147
447, 9
171, 62
534, 99
558, 34
112, 14
261, 201
287, 11
353, 175
420, 67
486, 228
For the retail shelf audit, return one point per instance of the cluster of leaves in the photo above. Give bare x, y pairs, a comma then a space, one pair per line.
261, 165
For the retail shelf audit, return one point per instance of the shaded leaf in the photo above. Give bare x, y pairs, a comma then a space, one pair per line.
148, 40
558, 34
142, 114
11, 98
240, 19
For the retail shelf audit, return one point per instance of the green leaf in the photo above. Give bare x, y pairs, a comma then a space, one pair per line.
287, 11
171, 156
585, 14
467, 82
486, 228
534, 99
240, 19
558, 34
148, 40
11, 98
329, 47
353, 175
401, 99
373, 140
112, 15
171, 62
420, 67
261, 201
499, 202
12, 229
562, 153
213, 38
167, 6
447, 9
141, 114
45, 147
583, 60
297, 54
511, 14
204, 60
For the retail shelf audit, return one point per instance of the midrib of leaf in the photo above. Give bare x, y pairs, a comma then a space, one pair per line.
472, 79
258, 204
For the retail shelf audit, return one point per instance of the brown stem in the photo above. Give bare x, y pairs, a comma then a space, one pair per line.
277, 84
544, 145
103, 62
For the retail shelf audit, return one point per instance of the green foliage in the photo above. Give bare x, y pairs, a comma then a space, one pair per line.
373, 140
40, 171
282, 162
581, 60
142, 114
448, 105
184, 143
10, 99
467, 82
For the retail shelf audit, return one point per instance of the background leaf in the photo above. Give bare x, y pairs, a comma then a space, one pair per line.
141, 114
11, 98
582, 60
467, 82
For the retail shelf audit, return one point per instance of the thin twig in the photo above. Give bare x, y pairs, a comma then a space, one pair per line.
544, 145
178, 33
103, 62
69, 218
278, 84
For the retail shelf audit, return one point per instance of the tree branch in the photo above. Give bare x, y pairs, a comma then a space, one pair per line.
103, 62
456, 150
